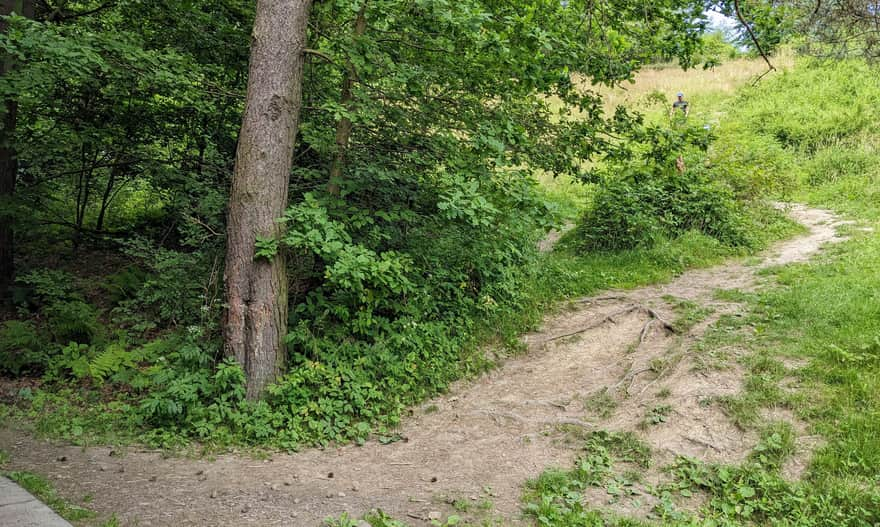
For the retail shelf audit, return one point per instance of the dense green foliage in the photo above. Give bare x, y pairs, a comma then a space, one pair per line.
772, 22
716, 50
645, 197
128, 120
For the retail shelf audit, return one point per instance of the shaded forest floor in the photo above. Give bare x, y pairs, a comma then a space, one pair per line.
657, 361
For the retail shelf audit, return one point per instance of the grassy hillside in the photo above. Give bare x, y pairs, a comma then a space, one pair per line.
808, 134
811, 135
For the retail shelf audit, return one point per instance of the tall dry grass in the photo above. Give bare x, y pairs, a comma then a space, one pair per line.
652, 93
665, 81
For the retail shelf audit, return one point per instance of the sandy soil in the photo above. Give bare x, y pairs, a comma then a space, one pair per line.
483, 439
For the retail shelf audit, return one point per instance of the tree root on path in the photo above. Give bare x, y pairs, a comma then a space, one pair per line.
570, 422
645, 389
702, 443
655, 318
630, 378
561, 406
497, 416
593, 300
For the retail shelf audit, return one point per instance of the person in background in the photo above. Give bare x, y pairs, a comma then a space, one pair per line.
680, 104
679, 119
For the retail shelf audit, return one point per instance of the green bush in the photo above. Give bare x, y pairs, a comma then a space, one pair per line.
646, 203
124, 284
753, 165
22, 350
72, 321
47, 286
173, 291
715, 50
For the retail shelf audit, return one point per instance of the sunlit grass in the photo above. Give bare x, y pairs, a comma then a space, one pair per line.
651, 92
701, 87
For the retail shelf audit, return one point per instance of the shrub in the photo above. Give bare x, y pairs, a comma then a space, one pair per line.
21, 348
46, 286
753, 165
72, 321
124, 284
647, 203
172, 292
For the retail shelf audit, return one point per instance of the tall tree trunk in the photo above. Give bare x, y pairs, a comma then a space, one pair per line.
256, 290
83, 194
8, 160
108, 193
343, 127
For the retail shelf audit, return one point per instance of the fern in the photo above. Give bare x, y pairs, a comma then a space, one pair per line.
73, 321
21, 347
81, 362
111, 361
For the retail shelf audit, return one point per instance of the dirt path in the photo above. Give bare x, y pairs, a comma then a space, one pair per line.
491, 433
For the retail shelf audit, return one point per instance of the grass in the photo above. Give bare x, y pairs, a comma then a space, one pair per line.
45, 492
702, 88
820, 325
824, 314
828, 314
600, 404
688, 313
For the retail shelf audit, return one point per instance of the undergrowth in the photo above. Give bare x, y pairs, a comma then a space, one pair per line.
143, 360
367, 344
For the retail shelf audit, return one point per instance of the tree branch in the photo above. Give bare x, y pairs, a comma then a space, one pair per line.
320, 54
59, 16
754, 38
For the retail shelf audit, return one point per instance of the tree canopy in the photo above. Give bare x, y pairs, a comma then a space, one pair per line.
412, 199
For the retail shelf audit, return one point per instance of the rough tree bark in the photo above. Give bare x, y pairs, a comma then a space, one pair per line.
8, 161
256, 289
344, 126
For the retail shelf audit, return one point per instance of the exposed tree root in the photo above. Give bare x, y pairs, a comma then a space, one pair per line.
561, 406
593, 300
645, 389
498, 416
629, 378
655, 318
570, 422
702, 443
602, 322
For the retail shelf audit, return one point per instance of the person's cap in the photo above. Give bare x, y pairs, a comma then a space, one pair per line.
679, 94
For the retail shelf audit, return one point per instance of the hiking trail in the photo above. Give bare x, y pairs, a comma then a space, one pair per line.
485, 437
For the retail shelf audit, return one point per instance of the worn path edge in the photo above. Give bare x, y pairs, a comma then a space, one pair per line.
481, 440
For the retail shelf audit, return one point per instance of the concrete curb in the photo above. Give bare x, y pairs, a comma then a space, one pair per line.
18, 508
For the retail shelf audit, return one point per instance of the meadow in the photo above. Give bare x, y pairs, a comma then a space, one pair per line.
820, 324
